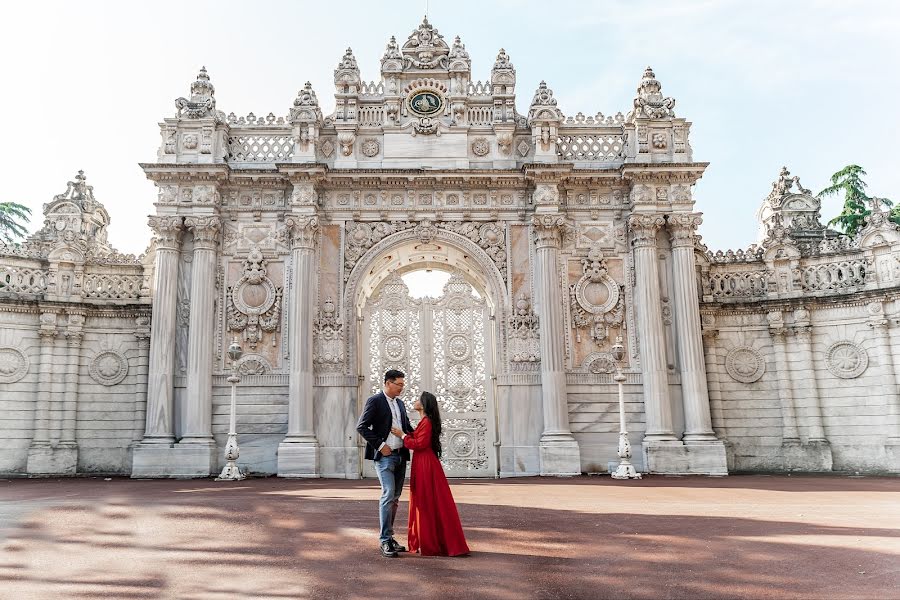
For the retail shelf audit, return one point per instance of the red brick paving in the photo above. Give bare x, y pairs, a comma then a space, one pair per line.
585, 537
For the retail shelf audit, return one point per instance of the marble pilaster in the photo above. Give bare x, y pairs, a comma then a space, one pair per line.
40, 452
298, 452
880, 327
559, 451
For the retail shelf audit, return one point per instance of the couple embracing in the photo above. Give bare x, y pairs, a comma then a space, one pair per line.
434, 526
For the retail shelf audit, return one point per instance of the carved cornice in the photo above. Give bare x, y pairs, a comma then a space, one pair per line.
549, 230
167, 232
205, 230
303, 231
644, 228
682, 228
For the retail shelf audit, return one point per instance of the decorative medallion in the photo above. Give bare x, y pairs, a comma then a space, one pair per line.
253, 364
327, 148
108, 368
458, 348
254, 301
425, 103
846, 360
523, 148
461, 444
13, 365
596, 299
370, 147
480, 147
745, 364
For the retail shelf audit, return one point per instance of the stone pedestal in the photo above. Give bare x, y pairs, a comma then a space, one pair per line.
298, 459
178, 461
692, 458
46, 460
813, 457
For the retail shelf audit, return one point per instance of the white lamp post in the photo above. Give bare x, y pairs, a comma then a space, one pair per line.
625, 470
231, 472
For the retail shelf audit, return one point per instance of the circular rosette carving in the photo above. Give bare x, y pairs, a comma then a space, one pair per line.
394, 349
480, 147
13, 365
459, 348
370, 147
462, 444
846, 360
745, 364
108, 368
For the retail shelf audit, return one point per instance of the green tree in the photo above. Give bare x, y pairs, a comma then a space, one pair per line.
13, 217
849, 182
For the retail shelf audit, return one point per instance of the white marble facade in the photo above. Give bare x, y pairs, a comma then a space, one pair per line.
289, 232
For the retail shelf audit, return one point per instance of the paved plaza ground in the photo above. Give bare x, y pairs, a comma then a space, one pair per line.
586, 537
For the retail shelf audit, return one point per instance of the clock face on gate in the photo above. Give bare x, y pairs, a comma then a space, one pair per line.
425, 103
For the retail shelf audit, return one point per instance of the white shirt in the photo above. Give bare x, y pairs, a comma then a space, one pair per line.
393, 442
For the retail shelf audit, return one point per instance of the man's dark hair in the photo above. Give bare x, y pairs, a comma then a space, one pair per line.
392, 375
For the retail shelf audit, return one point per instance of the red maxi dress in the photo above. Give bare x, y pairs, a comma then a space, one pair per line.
434, 527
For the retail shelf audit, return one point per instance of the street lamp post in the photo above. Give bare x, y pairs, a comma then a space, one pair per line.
231, 472
625, 470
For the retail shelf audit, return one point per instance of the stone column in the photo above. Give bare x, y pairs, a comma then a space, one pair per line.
201, 336
651, 337
559, 451
711, 358
298, 452
150, 458
695, 394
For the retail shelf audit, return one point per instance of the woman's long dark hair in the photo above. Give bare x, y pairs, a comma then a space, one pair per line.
433, 412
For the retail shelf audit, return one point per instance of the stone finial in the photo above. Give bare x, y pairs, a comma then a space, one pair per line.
202, 102
306, 106
502, 61
426, 49
459, 57
76, 217
503, 72
790, 212
650, 103
347, 71
543, 105
392, 50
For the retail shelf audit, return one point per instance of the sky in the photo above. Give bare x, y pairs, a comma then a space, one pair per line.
809, 85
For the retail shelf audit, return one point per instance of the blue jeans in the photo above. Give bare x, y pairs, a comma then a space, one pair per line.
391, 473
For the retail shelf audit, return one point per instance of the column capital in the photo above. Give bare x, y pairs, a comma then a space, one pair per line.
683, 228
644, 227
549, 230
303, 230
167, 231
205, 230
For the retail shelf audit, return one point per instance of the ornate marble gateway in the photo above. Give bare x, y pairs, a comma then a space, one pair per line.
562, 233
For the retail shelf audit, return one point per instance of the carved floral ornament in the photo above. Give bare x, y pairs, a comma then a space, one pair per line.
524, 339
650, 103
682, 228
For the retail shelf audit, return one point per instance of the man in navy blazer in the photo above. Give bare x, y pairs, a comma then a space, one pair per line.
381, 412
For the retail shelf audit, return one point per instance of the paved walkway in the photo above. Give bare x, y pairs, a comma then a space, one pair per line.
586, 537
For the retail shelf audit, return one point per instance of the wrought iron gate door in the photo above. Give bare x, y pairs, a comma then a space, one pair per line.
442, 347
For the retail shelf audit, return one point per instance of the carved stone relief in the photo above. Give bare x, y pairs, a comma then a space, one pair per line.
524, 337
254, 302
596, 299
108, 367
13, 365
745, 364
846, 359
328, 336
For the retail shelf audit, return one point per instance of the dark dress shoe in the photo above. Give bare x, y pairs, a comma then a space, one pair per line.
387, 550
396, 546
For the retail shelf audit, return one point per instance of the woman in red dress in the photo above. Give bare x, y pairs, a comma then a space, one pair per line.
434, 527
